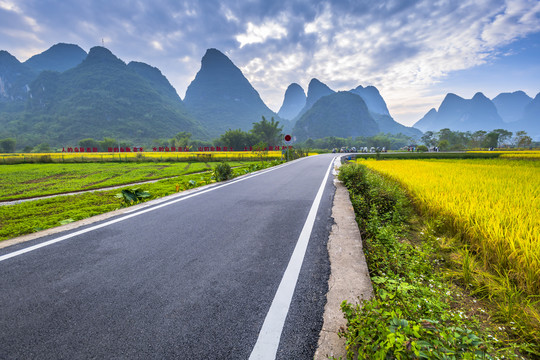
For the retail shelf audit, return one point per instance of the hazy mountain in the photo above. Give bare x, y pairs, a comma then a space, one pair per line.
59, 57
510, 106
458, 114
222, 98
530, 121
156, 78
388, 125
316, 90
429, 121
379, 111
101, 97
14, 78
341, 114
373, 99
293, 102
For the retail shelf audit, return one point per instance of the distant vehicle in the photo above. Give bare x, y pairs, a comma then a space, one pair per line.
353, 149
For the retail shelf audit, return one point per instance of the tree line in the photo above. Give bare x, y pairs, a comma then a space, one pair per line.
263, 134
446, 139
269, 133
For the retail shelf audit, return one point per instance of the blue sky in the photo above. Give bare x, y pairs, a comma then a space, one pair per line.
414, 52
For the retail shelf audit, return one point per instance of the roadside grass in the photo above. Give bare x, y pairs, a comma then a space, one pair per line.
420, 309
37, 215
30, 180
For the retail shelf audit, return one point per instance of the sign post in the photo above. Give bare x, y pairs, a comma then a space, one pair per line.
287, 140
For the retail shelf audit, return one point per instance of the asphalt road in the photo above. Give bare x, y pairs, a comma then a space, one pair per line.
191, 278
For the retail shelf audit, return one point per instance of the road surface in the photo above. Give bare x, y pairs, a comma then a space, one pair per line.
235, 271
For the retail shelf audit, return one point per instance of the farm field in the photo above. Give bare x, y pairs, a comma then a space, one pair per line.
202, 156
21, 181
41, 214
510, 154
493, 203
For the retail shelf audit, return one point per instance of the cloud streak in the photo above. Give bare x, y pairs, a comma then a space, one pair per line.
401, 47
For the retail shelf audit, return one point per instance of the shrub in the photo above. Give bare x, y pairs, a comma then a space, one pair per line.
222, 172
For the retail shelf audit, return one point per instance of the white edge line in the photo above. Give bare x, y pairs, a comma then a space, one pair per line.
268, 341
144, 211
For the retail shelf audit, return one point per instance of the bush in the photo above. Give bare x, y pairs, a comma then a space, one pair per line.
222, 172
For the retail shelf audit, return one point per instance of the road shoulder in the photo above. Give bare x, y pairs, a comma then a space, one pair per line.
349, 279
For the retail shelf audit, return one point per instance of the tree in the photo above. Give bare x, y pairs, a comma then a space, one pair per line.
89, 143
8, 145
107, 143
42, 148
267, 132
477, 138
504, 136
491, 140
443, 144
236, 139
182, 139
428, 138
522, 139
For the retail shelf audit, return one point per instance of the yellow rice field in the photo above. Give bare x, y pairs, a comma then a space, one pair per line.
526, 154
494, 203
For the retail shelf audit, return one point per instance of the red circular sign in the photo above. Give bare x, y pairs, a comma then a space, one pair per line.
287, 137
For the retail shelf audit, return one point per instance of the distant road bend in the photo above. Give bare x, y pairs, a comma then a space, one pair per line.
235, 271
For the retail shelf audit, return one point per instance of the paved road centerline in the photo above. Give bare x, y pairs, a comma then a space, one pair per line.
270, 334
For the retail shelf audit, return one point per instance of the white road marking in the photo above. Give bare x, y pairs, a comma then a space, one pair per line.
144, 211
268, 340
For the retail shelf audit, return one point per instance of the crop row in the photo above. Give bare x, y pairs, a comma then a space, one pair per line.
31, 180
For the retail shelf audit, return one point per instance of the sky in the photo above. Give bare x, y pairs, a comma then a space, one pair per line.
414, 52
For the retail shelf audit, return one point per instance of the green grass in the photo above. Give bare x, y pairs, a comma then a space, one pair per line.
417, 311
32, 216
31, 180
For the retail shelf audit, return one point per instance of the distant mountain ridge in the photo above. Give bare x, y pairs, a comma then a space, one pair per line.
293, 102
306, 121
373, 99
511, 106
316, 90
530, 121
14, 78
101, 97
340, 114
510, 111
59, 57
222, 98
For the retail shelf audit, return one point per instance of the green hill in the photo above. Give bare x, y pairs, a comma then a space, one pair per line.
102, 97
342, 114
59, 57
222, 98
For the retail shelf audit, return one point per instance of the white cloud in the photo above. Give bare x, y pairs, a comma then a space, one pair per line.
259, 34
403, 47
229, 15
403, 53
157, 45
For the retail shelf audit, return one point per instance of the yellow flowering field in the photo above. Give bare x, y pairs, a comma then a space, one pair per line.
133, 156
494, 203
